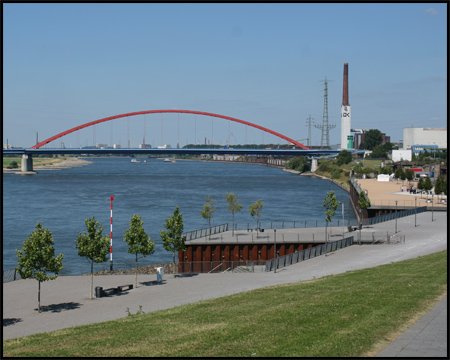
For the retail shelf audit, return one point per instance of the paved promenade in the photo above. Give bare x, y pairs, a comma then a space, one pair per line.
65, 301
425, 338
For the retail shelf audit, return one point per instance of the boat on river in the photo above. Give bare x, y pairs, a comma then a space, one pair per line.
135, 161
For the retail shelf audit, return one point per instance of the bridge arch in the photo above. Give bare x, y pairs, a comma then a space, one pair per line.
76, 128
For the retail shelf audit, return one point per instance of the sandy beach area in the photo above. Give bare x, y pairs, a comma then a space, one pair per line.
57, 165
387, 192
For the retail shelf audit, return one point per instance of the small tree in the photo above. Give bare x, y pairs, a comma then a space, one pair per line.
441, 185
93, 246
427, 184
298, 163
233, 206
208, 212
398, 173
37, 258
138, 241
402, 175
172, 238
330, 204
420, 184
256, 211
409, 174
363, 201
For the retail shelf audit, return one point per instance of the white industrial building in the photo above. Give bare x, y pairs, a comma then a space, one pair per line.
424, 136
400, 155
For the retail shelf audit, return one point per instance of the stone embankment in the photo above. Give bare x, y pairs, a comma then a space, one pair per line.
346, 188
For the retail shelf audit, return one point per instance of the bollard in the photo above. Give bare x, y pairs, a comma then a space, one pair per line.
159, 274
98, 291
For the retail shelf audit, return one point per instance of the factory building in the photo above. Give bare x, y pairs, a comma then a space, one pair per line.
425, 137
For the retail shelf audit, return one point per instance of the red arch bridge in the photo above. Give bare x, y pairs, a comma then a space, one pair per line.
297, 147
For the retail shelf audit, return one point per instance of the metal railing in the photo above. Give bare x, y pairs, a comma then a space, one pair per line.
393, 239
11, 275
393, 215
195, 234
407, 203
301, 224
306, 254
242, 266
355, 185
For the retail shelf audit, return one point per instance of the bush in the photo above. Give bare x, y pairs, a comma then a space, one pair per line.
344, 157
336, 173
325, 167
13, 165
298, 163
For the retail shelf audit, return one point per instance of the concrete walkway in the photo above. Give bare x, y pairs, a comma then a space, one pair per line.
65, 301
425, 338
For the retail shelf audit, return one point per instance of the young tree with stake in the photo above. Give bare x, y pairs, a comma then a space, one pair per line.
363, 202
256, 211
37, 258
172, 238
330, 204
138, 241
208, 211
233, 206
93, 246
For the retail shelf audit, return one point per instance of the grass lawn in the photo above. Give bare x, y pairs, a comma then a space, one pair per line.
346, 315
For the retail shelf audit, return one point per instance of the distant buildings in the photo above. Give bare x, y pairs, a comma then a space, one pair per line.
425, 138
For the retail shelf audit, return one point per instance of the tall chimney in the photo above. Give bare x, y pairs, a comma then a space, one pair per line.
346, 120
345, 90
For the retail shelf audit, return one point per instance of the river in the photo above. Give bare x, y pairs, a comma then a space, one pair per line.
61, 200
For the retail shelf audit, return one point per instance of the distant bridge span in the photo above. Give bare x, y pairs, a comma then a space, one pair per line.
42, 143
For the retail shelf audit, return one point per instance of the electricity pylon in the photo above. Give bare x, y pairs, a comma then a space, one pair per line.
325, 127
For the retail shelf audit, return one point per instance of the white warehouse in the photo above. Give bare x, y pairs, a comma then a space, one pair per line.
424, 136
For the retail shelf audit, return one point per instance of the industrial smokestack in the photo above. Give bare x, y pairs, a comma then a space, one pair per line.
346, 122
345, 90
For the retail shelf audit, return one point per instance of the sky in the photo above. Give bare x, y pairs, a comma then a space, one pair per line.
72, 63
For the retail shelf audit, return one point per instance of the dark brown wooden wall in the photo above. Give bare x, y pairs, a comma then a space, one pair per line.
204, 258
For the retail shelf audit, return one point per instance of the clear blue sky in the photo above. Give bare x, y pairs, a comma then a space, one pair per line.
68, 64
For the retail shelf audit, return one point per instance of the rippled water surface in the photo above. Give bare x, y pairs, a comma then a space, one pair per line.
62, 200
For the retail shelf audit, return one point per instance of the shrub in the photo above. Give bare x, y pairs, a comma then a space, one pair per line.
336, 173
325, 166
13, 165
344, 157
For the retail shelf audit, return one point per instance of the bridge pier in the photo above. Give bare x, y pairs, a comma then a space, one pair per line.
27, 163
314, 165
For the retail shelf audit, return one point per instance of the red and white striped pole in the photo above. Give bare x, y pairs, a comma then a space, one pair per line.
110, 258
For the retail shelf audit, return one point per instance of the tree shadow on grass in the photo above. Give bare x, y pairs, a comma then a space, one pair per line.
11, 321
55, 308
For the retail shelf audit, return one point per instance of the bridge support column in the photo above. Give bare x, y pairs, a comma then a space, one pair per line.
314, 165
27, 163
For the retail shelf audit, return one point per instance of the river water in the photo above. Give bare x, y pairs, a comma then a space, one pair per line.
61, 200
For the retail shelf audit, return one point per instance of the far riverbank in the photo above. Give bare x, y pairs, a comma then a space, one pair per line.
54, 164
